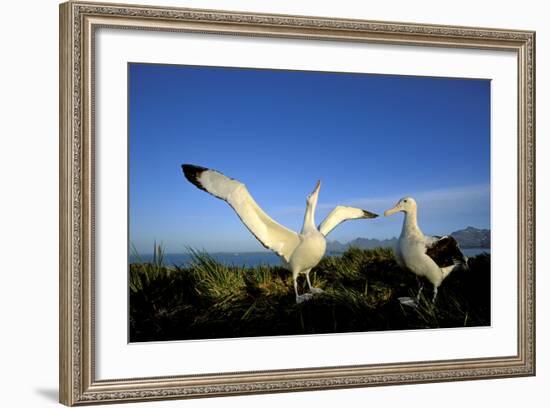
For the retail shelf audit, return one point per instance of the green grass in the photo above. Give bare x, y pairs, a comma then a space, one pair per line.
208, 299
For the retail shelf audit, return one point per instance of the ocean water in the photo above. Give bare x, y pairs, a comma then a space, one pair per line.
475, 251
250, 259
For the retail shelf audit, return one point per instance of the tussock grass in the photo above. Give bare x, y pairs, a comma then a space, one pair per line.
208, 299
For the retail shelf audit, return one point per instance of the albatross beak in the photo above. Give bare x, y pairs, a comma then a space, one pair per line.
317, 187
391, 211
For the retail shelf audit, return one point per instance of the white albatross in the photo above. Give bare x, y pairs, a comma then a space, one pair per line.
300, 252
431, 257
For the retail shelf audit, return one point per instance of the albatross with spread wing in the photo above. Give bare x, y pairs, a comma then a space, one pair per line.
300, 252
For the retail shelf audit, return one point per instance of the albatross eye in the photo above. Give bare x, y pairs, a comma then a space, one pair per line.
404, 201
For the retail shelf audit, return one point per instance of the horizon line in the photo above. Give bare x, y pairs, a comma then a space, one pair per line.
160, 244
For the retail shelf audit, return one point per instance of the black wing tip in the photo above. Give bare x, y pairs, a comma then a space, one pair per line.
368, 214
192, 173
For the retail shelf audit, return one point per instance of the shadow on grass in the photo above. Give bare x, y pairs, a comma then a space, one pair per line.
207, 299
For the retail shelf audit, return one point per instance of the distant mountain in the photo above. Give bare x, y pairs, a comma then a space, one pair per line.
336, 246
363, 243
369, 243
470, 237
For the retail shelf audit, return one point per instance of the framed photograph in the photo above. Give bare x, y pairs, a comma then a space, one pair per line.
256, 203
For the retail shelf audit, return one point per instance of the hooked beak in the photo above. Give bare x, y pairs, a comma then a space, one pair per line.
317, 188
368, 214
392, 211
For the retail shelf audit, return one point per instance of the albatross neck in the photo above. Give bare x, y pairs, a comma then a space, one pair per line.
410, 225
309, 218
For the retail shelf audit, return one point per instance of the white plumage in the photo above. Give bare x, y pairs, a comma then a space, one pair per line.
300, 252
431, 257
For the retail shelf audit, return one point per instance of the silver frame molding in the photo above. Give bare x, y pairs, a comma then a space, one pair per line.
78, 22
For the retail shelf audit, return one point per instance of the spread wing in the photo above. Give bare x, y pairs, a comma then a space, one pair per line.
341, 214
445, 251
271, 234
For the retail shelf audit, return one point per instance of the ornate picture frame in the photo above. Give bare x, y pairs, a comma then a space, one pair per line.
79, 22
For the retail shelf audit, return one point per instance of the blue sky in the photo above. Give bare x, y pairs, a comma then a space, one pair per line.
370, 139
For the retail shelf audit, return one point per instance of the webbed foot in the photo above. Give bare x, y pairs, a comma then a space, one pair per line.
408, 301
303, 298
